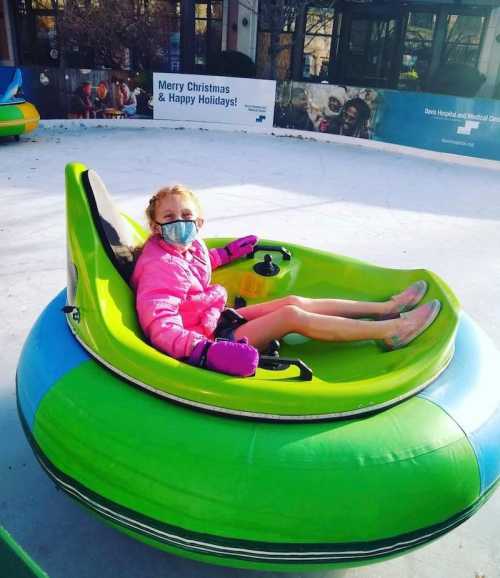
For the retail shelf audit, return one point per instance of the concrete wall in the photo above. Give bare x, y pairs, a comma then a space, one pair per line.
489, 60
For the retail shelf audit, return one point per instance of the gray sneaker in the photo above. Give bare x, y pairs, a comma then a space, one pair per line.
419, 320
406, 300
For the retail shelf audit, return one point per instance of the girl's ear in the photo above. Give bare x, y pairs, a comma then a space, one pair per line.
200, 222
155, 228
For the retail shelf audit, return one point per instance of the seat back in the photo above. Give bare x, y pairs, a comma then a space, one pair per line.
120, 239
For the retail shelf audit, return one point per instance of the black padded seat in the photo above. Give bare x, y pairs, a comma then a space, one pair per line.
120, 239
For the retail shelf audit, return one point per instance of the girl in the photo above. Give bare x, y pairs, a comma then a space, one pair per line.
182, 314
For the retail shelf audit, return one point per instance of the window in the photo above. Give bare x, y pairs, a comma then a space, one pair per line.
4, 47
168, 53
417, 50
413, 45
456, 70
371, 51
463, 39
275, 39
37, 31
46, 38
208, 34
317, 43
47, 4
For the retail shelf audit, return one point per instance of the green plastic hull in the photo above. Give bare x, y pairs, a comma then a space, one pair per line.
240, 492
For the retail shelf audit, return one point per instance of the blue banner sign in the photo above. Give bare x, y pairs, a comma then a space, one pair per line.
464, 126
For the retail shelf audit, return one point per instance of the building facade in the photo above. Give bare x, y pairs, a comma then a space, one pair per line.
420, 45
444, 46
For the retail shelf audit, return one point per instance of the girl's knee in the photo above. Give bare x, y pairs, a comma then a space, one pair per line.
293, 316
294, 301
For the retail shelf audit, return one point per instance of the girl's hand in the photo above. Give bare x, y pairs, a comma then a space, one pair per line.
234, 358
237, 249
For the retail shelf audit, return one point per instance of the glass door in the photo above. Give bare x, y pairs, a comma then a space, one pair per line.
417, 50
370, 50
208, 35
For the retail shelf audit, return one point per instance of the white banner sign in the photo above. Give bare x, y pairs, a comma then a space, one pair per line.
241, 101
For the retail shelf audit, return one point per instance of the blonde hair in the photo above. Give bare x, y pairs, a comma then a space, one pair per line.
169, 191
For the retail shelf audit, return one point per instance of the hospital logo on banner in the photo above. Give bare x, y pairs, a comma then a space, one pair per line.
468, 127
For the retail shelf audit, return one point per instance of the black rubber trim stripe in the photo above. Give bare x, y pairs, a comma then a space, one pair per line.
247, 550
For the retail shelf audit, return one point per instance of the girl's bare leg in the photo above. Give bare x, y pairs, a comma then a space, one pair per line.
335, 307
261, 329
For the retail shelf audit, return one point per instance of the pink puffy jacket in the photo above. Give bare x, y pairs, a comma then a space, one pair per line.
176, 305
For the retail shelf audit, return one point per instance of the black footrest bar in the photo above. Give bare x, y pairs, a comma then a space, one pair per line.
279, 363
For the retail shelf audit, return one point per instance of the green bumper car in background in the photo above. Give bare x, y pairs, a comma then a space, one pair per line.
16, 115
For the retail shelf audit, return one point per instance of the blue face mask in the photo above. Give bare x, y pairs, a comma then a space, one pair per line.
179, 232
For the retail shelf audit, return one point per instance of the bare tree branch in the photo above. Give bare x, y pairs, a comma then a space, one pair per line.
113, 29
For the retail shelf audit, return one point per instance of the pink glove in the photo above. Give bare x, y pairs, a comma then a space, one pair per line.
236, 249
234, 358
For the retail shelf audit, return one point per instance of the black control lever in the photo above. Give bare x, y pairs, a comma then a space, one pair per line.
272, 349
266, 268
279, 363
276, 248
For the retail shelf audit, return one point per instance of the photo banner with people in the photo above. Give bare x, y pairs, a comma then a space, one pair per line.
215, 99
449, 124
347, 111
85, 94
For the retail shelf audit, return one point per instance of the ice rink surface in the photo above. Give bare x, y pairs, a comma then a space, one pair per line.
392, 209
